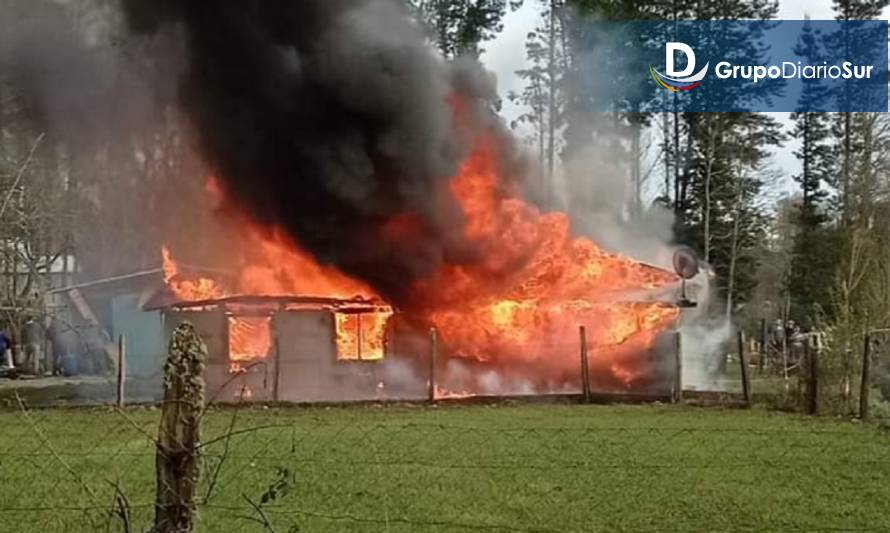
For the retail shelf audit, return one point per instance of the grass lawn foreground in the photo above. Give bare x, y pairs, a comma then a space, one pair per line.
503, 467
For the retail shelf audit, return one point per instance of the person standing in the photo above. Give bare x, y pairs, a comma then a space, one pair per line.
5, 351
31, 341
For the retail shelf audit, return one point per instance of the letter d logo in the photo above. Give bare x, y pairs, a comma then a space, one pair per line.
683, 80
670, 54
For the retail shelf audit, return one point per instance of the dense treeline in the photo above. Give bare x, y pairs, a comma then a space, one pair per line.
818, 256
93, 178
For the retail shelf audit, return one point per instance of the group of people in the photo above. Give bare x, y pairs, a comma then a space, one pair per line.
786, 341
29, 355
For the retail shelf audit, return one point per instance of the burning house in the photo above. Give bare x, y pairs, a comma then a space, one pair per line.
310, 349
289, 348
283, 327
371, 194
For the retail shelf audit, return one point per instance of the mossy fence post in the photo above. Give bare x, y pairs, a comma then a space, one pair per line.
177, 458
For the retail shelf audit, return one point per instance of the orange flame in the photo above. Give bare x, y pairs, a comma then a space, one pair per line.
284, 269
249, 339
521, 303
536, 284
361, 336
280, 268
187, 289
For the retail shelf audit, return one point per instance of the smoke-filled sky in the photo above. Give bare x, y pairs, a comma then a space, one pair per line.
334, 122
505, 55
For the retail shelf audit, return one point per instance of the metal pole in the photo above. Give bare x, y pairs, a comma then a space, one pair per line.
434, 349
585, 367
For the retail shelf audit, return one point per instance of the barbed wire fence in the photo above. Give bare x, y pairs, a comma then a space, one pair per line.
806, 374
255, 469
342, 473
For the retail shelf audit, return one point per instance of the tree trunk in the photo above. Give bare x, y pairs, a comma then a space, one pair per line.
678, 203
636, 165
845, 175
734, 251
805, 179
665, 133
551, 115
709, 167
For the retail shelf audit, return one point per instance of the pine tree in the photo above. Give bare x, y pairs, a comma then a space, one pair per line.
545, 96
724, 211
860, 146
620, 131
847, 147
460, 26
716, 162
812, 266
719, 203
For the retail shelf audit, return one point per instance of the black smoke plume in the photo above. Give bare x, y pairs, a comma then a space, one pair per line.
332, 120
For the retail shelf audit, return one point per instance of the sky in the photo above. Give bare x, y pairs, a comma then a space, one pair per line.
506, 54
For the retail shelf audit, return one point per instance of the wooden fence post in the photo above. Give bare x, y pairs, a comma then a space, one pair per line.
812, 356
743, 362
177, 455
677, 395
865, 387
585, 367
761, 363
121, 369
434, 353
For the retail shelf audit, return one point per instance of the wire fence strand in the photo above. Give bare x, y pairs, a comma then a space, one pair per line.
503, 467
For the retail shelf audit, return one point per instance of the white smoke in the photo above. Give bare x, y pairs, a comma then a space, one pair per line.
704, 336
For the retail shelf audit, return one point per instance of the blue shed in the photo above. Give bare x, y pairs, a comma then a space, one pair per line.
94, 315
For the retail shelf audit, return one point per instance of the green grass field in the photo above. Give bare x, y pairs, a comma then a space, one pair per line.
506, 467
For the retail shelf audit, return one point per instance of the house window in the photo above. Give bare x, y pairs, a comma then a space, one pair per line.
250, 338
361, 336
